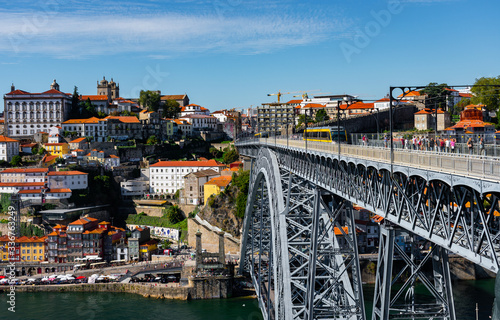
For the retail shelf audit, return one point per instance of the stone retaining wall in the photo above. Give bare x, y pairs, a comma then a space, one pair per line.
199, 288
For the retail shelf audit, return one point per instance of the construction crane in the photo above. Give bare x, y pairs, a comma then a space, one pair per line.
279, 94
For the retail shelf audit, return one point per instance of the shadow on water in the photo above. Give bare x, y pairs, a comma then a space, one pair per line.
124, 306
466, 294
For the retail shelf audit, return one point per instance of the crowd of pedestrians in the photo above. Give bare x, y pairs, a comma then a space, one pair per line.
425, 143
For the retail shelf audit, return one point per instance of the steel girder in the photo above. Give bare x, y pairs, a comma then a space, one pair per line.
457, 214
401, 302
294, 225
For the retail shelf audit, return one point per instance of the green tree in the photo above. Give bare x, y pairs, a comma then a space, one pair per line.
230, 156
152, 140
216, 153
171, 109
487, 91
60, 161
174, 214
75, 104
16, 161
88, 109
436, 95
302, 119
321, 115
150, 100
41, 151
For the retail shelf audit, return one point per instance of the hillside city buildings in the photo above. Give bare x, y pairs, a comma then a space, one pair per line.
122, 139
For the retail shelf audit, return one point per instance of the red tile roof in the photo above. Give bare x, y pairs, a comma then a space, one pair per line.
66, 173
294, 102
361, 105
30, 170
76, 121
314, 105
7, 139
222, 181
124, 119
209, 163
22, 184
94, 97
78, 140
48, 158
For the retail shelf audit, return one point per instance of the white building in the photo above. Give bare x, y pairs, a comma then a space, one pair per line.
73, 180
191, 109
14, 187
8, 148
134, 188
24, 175
184, 127
201, 122
221, 115
111, 161
168, 176
91, 127
28, 113
52, 194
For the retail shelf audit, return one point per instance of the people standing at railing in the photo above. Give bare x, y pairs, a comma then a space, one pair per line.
447, 145
470, 145
452, 145
481, 147
431, 144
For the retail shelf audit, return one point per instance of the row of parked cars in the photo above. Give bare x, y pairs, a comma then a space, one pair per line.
52, 279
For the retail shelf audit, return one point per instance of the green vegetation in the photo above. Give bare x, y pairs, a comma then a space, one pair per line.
231, 155
150, 100
5, 201
173, 214
321, 116
16, 161
152, 140
143, 219
171, 109
30, 230
241, 180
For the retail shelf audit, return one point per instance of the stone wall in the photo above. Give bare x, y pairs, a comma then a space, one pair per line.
198, 288
158, 291
210, 238
211, 288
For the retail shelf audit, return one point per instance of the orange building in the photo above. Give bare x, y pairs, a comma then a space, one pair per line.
471, 122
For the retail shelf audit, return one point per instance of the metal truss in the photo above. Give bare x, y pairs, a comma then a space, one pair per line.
401, 302
311, 267
457, 213
300, 248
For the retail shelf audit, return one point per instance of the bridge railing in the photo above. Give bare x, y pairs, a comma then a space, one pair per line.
461, 164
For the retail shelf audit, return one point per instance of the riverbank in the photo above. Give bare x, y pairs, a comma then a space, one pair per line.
199, 288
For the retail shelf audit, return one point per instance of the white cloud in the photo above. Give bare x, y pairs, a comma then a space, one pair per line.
82, 35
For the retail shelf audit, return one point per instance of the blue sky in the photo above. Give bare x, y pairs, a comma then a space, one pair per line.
232, 53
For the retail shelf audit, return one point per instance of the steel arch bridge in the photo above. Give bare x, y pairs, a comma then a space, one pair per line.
299, 239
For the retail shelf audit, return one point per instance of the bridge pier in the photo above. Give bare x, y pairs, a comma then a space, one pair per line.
401, 302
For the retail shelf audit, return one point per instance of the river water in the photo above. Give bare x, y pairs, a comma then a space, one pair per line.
124, 306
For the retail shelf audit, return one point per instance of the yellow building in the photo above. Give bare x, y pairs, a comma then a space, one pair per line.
57, 149
147, 249
48, 160
32, 249
215, 186
26, 249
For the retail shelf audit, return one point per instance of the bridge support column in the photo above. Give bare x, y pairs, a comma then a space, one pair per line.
401, 302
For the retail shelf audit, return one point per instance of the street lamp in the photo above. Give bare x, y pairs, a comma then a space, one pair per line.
377, 121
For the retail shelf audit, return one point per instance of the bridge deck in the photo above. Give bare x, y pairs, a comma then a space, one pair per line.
482, 167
